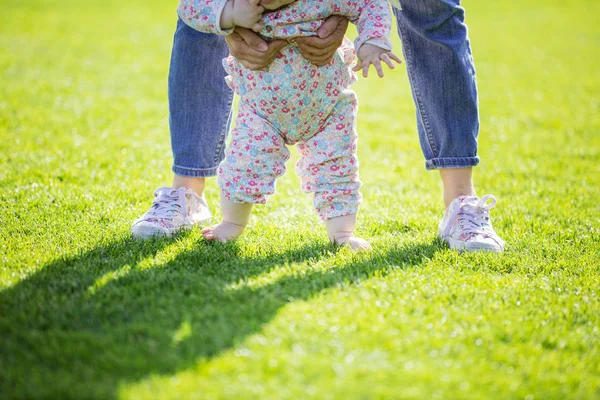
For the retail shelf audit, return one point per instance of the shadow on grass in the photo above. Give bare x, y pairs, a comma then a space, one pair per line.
83, 326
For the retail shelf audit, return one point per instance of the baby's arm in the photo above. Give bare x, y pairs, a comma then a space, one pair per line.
220, 16
373, 45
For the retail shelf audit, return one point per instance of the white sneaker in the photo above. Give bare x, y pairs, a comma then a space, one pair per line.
172, 211
467, 226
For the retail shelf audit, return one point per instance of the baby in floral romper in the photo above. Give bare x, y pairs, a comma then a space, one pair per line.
294, 102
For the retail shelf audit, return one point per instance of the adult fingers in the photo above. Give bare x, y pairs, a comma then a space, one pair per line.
249, 57
241, 50
310, 54
276, 45
267, 58
335, 37
333, 23
318, 56
317, 46
252, 39
255, 60
318, 60
252, 65
320, 49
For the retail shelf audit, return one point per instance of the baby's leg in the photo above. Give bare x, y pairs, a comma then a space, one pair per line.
341, 231
329, 168
235, 219
253, 161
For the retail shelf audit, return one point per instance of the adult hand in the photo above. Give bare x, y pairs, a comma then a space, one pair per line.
320, 49
253, 52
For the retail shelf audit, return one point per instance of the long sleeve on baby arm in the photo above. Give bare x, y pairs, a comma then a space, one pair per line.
203, 15
374, 23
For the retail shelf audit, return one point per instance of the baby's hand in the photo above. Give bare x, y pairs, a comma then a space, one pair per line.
370, 54
242, 13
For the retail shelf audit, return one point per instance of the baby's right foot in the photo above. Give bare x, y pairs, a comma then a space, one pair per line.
356, 244
223, 232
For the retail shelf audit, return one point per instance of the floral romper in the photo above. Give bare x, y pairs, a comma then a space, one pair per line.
296, 102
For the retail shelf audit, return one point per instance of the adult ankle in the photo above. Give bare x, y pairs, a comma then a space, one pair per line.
196, 184
450, 197
457, 182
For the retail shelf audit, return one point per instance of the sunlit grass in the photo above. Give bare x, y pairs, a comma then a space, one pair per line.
88, 312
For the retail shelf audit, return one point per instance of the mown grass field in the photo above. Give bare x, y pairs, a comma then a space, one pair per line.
88, 312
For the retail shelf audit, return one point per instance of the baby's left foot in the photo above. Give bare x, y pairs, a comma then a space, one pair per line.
356, 244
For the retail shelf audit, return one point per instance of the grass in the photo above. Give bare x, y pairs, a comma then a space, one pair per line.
88, 312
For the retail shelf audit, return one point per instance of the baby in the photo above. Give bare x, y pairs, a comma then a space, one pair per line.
294, 102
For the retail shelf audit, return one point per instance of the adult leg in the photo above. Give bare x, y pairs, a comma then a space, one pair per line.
442, 75
199, 105
200, 109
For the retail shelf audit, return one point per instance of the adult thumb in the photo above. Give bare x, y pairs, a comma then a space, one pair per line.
278, 44
329, 26
252, 39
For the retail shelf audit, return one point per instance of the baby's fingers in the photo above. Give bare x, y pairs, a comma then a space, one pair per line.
394, 57
365, 68
358, 66
386, 59
377, 64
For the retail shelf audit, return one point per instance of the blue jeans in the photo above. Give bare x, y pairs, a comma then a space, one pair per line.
439, 64
200, 102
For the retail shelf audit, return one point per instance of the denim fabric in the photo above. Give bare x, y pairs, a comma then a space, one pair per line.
199, 102
442, 76
439, 65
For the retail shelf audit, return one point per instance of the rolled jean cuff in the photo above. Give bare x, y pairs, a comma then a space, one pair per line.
451, 162
194, 172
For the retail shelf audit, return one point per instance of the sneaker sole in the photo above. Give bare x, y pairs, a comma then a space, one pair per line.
146, 232
460, 246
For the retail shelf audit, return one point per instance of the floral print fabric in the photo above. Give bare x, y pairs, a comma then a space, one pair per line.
301, 18
295, 102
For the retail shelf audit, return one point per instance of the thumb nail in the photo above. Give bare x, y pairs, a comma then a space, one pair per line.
263, 47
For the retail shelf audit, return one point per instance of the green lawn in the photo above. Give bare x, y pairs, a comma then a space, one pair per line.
88, 312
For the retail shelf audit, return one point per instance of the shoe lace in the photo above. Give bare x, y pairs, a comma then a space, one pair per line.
473, 215
167, 204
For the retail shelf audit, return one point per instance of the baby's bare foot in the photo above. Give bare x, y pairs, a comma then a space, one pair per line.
223, 232
356, 244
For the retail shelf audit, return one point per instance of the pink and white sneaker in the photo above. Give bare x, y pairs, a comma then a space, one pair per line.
467, 226
172, 210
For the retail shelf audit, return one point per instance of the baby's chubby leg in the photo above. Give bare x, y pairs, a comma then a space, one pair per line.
328, 167
253, 161
235, 219
341, 231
